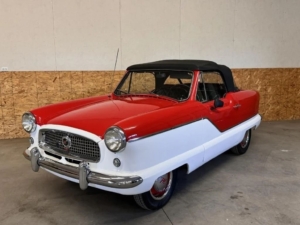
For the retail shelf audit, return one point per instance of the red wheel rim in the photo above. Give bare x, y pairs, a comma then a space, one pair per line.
161, 186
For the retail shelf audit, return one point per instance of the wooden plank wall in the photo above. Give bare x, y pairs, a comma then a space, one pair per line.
22, 91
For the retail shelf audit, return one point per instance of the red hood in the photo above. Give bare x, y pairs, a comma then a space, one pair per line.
98, 117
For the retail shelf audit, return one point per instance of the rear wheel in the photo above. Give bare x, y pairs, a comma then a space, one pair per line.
160, 193
242, 147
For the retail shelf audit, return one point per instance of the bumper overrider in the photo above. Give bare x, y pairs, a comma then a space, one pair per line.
82, 172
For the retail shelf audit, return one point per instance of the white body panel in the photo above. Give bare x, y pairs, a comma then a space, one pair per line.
193, 145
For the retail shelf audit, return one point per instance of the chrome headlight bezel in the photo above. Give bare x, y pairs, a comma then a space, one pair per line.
115, 139
28, 122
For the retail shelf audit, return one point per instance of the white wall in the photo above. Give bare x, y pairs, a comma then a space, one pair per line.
85, 34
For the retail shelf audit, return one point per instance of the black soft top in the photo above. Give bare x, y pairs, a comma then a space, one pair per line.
188, 65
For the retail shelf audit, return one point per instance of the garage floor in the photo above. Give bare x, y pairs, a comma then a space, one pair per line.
260, 187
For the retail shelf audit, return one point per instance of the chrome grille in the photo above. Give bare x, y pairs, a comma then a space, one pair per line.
81, 148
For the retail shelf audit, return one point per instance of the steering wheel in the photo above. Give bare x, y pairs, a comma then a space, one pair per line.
179, 92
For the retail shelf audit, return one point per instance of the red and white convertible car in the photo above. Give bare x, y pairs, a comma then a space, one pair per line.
162, 116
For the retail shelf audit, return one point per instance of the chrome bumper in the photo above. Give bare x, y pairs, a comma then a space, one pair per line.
82, 173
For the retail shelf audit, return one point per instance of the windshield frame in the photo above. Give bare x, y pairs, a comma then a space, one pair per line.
125, 77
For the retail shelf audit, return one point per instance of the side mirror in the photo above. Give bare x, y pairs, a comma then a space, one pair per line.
218, 103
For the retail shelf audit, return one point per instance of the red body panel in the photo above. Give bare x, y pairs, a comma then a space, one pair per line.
161, 120
223, 118
238, 107
45, 113
144, 115
96, 115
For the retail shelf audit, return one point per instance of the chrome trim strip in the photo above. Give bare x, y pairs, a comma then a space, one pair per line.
184, 124
155, 133
91, 177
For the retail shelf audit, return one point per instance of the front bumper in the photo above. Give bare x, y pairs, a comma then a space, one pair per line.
82, 172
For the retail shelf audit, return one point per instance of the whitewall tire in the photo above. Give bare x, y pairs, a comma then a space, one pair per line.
243, 146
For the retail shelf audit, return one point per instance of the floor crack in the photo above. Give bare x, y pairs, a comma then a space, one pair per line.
167, 216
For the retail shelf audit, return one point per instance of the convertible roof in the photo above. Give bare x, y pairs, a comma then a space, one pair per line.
188, 65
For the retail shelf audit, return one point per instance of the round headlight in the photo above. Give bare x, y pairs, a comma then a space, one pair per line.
28, 122
115, 139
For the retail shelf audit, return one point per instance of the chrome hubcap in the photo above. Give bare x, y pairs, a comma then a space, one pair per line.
245, 140
161, 186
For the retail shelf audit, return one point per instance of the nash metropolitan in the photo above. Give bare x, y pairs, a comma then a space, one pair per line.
162, 116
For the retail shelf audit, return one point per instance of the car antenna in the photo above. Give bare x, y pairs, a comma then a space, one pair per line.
112, 78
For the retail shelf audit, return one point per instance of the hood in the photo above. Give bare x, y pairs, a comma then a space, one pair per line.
98, 117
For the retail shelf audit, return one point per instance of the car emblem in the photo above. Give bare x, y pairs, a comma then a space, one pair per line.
66, 142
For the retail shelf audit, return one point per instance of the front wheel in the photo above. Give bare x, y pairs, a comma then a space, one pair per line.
160, 193
242, 147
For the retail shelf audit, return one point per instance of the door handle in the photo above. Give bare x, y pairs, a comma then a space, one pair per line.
237, 106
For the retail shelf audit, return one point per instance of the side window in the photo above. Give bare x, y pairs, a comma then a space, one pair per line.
210, 86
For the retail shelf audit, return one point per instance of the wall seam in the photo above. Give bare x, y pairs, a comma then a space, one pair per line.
120, 25
180, 18
282, 33
54, 41
14, 104
233, 39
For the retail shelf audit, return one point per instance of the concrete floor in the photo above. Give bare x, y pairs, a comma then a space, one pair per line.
260, 187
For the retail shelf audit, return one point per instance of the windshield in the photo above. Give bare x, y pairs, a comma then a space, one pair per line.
172, 84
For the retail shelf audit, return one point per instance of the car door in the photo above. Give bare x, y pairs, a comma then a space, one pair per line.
211, 87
